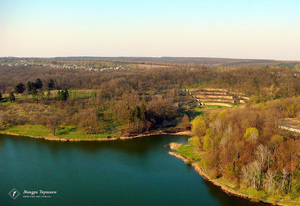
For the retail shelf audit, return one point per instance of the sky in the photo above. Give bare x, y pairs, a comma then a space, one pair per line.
251, 29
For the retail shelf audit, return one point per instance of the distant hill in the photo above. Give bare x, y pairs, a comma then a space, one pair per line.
192, 60
226, 62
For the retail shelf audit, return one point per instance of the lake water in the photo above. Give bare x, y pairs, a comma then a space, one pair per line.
129, 172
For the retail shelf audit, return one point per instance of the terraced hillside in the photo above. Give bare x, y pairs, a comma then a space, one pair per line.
217, 95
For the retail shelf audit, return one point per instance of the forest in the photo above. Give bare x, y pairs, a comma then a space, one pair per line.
248, 147
128, 101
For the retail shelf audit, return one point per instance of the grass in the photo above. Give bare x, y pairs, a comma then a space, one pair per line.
82, 93
28, 130
203, 111
208, 107
189, 152
65, 132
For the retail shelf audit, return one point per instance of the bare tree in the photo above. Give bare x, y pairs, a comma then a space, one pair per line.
261, 153
269, 181
229, 133
284, 177
54, 122
246, 176
218, 125
255, 171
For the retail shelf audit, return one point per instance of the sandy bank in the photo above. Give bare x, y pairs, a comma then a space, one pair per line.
98, 139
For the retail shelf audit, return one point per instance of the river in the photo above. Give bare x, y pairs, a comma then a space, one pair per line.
126, 172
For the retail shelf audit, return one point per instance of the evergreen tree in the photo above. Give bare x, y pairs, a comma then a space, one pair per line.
63, 95
38, 84
11, 97
29, 86
20, 88
50, 84
1, 97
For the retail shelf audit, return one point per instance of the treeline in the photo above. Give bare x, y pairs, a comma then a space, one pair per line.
246, 146
36, 89
261, 83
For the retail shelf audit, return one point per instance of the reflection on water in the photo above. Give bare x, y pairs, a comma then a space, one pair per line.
123, 172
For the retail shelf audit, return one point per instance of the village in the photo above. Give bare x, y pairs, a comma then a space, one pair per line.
26, 63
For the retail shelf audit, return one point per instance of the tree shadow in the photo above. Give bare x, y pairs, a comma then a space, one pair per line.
65, 131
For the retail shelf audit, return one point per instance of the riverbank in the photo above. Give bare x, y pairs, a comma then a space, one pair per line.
26, 131
57, 138
159, 132
228, 189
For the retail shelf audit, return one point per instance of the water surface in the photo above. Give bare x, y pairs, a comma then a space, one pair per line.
126, 172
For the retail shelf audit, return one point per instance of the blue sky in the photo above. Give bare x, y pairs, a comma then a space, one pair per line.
228, 28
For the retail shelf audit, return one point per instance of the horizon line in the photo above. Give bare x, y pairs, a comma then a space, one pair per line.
84, 56
194, 57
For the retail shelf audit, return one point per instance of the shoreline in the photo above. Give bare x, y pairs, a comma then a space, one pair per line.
160, 132
215, 182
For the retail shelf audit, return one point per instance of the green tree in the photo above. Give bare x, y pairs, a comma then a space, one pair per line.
38, 83
251, 134
207, 139
30, 86
63, 95
50, 84
19, 88
198, 127
11, 97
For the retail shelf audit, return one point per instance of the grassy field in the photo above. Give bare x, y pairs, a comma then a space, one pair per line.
73, 94
82, 93
65, 132
204, 110
149, 66
190, 150
210, 107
